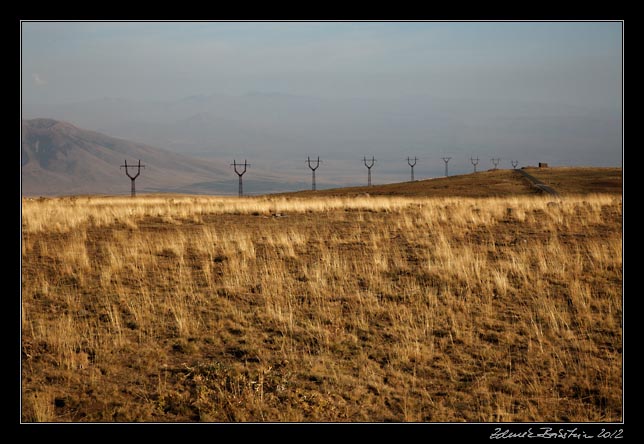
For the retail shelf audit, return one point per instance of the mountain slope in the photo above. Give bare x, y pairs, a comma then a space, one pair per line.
59, 158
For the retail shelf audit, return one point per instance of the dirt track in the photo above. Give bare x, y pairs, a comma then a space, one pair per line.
537, 183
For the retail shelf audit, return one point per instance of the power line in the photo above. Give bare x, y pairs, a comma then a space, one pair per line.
133, 178
240, 174
412, 165
446, 159
474, 163
308, 160
373, 160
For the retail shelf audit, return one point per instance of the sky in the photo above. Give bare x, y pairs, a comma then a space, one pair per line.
534, 91
572, 63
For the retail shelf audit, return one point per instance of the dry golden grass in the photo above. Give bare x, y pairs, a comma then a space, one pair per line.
322, 309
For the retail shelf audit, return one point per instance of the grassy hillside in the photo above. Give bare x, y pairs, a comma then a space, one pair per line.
576, 180
573, 180
380, 308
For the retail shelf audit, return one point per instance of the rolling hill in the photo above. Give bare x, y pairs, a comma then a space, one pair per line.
59, 158
502, 182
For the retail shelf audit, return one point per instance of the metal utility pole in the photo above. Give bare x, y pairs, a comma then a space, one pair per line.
474, 163
133, 178
515, 164
308, 160
240, 174
495, 162
412, 166
446, 159
373, 160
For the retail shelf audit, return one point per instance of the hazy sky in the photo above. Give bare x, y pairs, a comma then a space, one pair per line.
575, 63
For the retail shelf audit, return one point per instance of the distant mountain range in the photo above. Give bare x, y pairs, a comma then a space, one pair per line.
279, 131
59, 158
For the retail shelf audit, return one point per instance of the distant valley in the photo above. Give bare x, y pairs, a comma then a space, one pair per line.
278, 132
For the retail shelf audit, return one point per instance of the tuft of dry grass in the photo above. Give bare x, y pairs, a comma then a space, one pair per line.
290, 309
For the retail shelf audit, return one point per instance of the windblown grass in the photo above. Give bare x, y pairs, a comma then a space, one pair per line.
322, 309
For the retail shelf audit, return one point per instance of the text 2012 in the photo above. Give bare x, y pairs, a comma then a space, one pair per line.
549, 433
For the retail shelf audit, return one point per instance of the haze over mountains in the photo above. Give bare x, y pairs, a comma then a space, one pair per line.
59, 158
279, 131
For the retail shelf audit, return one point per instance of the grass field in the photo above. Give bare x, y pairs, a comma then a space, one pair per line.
285, 308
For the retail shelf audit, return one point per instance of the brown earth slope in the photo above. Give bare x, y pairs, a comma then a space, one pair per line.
493, 183
580, 180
